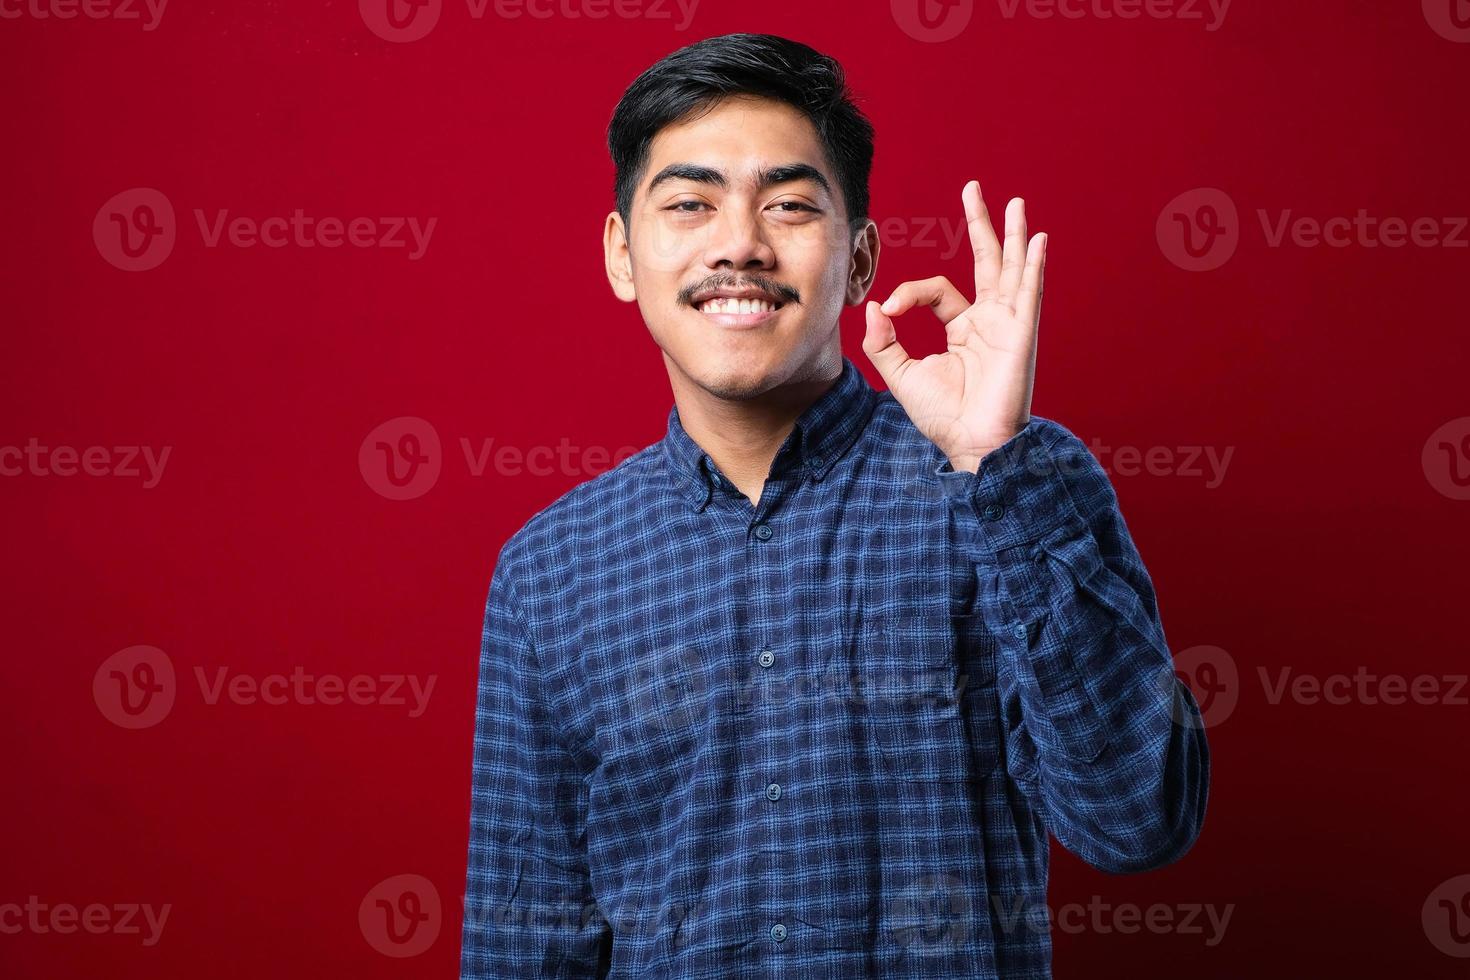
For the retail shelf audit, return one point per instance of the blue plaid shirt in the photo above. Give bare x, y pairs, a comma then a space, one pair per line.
825, 736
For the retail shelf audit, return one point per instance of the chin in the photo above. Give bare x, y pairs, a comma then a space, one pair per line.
737, 376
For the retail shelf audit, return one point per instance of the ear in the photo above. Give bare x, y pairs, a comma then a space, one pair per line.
618, 258
864, 266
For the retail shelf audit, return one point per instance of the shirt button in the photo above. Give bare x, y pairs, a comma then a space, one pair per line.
817, 462
778, 932
1019, 631
763, 532
766, 658
773, 792
992, 512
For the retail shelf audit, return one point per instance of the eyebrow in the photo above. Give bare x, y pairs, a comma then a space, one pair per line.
764, 177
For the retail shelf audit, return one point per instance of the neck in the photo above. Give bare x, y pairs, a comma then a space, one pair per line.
742, 436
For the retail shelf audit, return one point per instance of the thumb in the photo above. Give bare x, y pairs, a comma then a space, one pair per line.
880, 343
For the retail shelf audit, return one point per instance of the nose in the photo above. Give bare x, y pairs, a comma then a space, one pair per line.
738, 241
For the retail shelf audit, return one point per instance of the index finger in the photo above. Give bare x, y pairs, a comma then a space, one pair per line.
983, 244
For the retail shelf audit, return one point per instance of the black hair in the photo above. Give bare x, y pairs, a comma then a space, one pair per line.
694, 78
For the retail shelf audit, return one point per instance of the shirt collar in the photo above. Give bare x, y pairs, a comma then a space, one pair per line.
822, 434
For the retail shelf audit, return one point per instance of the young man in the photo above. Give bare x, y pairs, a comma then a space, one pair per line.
800, 689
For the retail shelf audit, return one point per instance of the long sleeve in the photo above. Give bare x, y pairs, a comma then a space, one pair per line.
529, 910
1105, 737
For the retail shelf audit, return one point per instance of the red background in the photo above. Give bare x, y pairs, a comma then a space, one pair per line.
1326, 548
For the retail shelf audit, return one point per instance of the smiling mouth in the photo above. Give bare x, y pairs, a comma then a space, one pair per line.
732, 306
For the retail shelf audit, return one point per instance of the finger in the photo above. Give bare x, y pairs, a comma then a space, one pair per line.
1014, 258
1033, 280
880, 343
939, 294
982, 243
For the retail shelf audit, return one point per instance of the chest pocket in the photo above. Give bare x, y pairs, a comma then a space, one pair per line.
930, 696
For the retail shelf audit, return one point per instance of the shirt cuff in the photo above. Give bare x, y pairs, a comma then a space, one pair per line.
1020, 494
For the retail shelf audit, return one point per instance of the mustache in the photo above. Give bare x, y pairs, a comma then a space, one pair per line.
781, 291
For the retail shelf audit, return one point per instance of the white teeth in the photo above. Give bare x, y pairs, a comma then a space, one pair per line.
732, 305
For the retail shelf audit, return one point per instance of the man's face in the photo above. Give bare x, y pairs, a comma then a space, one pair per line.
739, 203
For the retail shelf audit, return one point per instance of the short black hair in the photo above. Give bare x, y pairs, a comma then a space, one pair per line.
694, 78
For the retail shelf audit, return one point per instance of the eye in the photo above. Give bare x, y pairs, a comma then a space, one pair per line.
795, 206
686, 207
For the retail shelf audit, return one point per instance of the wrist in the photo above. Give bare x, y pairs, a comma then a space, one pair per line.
968, 463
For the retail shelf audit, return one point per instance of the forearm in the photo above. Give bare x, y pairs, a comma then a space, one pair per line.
1111, 739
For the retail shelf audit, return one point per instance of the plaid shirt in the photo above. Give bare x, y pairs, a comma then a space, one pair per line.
825, 736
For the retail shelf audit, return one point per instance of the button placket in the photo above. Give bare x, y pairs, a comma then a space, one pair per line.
773, 714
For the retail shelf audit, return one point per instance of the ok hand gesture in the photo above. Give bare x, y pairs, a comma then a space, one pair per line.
977, 395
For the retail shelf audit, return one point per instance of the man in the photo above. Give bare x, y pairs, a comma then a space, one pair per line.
800, 689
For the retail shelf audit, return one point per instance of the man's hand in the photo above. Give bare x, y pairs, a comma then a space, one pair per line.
976, 396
